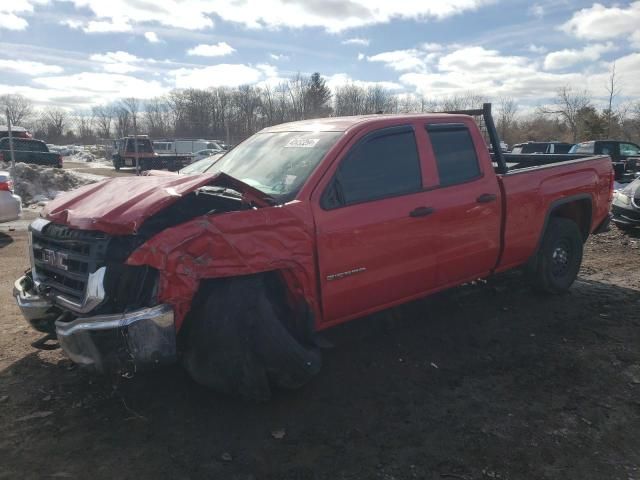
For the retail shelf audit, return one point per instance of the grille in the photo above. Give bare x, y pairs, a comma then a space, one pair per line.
63, 258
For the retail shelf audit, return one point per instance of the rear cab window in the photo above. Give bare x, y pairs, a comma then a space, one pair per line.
454, 152
629, 149
584, 148
383, 164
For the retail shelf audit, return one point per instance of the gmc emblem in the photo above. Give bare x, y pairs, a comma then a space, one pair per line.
55, 259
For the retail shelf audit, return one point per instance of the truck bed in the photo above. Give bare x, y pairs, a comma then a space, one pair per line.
530, 189
518, 161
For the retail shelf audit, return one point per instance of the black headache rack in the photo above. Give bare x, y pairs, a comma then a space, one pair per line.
484, 119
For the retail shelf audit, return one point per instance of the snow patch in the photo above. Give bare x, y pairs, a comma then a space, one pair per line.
37, 184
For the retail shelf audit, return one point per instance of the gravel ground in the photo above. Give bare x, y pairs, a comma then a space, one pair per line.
482, 382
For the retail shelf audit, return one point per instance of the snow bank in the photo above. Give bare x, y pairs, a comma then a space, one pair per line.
82, 157
36, 183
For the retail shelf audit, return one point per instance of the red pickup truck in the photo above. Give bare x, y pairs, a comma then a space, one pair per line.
301, 227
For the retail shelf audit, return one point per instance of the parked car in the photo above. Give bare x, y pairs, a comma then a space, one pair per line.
10, 204
624, 155
542, 147
626, 206
205, 153
124, 155
16, 132
301, 227
28, 150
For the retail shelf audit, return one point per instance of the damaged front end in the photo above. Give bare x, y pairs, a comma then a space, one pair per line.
104, 314
114, 282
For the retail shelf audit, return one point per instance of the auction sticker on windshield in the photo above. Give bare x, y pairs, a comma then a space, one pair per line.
302, 143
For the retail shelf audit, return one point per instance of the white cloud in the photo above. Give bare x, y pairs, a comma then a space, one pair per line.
11, 9
333, 15
29, 68
231, 75
569, 57
11, 21
487, 71
432, 47
187, 14
73, 24
601, 23
401, 60
279, 57
152, 37
361, 56
537, 49
341, 79
89, 88
268, 70
117, 62
107, 27
217, 50
356, 41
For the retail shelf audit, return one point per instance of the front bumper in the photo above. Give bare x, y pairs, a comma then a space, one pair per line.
132, 341
626, 215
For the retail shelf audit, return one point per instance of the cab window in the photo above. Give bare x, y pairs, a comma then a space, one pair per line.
383, 164
454, 152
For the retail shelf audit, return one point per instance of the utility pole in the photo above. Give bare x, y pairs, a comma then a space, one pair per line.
13, 158
135, 144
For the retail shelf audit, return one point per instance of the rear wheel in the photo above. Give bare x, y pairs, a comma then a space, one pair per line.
235, 342
557, 263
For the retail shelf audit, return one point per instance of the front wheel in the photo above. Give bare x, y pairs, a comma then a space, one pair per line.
236, 343
557, 263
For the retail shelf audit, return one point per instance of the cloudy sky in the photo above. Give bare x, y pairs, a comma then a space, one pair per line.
76, 53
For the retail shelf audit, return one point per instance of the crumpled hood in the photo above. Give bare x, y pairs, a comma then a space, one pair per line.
119, 206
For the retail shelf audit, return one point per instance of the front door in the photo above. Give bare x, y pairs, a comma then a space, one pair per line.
375, 228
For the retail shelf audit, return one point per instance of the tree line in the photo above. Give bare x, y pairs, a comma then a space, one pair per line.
233, 114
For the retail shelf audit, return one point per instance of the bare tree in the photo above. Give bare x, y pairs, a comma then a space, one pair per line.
298, 87
123, 121
19, 107
56, 121
613, 89
132, 105
84, 126
506, 114
568, 106
103, 115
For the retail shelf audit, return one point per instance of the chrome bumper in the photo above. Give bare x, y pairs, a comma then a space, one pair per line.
131, 341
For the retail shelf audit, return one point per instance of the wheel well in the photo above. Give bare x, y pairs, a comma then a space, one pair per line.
577, 210
295, 313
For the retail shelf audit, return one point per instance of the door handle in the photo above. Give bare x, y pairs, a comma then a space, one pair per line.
421, 212
486, 198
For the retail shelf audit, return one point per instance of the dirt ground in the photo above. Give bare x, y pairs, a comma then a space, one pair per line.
488, 381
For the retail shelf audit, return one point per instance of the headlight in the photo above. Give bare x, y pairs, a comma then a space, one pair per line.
630, 189
620, 197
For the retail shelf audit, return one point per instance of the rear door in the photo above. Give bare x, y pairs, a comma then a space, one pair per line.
467, 203
375, 229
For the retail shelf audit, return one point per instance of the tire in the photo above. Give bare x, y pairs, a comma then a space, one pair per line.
557, 263
236, 344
